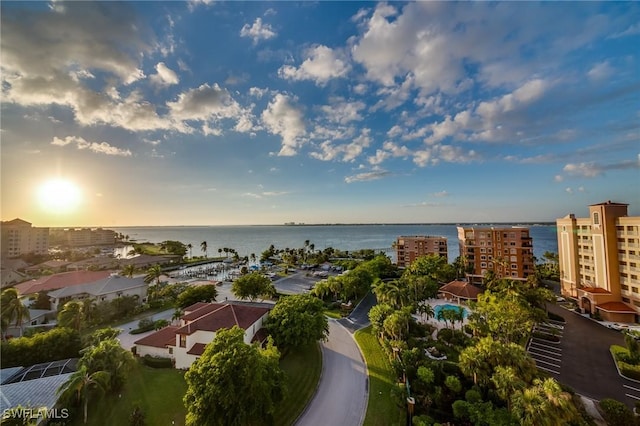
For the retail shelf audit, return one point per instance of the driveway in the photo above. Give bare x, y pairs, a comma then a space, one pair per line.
586, 363
359, 317
127, 339
341, 397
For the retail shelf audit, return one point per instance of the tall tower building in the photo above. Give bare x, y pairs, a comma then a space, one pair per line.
507, 251
409, 248
600, 261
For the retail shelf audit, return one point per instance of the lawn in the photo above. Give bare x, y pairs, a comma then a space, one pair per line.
381, 410
302, 367
158, 392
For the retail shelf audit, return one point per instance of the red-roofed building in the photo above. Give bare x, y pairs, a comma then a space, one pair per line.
198, 327
58, 281
459, 291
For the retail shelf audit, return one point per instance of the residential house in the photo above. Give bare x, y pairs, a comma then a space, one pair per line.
198, 327
58, 281
103, 290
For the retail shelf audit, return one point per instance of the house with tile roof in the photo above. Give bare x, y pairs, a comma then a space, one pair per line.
198, 327
102, 290
459, 291
59, 281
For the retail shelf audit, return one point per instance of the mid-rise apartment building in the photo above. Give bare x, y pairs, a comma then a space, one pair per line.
507, 251
19, 237
600, 261
83, 237
409, 248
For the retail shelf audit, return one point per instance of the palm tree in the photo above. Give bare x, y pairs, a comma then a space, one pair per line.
12, 308
424, 309
71, 315
203, 247
177, 314
128, 271
153, 273
81, 383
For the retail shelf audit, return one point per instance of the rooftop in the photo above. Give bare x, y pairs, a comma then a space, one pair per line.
58, 281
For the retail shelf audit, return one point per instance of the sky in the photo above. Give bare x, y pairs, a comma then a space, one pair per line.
223, 113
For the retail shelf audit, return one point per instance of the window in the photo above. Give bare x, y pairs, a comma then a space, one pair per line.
483, 257
483, 265
514, 258
514, 266
183, 340
170, 350
634, 289
596, 218
513, 251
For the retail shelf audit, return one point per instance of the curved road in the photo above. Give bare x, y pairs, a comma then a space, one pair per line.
341, 397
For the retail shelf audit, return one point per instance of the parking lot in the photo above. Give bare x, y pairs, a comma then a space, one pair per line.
547, 353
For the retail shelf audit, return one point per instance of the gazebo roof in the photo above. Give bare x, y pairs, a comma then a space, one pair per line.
461, 289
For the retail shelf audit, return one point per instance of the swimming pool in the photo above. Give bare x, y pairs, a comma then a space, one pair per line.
450, 307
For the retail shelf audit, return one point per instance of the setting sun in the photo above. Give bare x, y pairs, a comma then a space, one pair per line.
59, 196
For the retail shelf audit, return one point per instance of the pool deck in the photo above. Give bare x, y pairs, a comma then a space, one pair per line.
440, 324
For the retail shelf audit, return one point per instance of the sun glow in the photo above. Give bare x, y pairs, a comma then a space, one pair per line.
59, 196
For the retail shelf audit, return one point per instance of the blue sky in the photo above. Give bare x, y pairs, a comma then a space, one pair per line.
214, 113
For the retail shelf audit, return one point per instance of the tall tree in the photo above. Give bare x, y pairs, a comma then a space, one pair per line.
252, 286
108, 355
128, 270
200, 293
298, 320
203, 247
234, 384
71, 315
12, 308
80, 385
543, 404
153, 274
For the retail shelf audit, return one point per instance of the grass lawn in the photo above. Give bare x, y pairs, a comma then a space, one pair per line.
303, 367
157, 391
381, 410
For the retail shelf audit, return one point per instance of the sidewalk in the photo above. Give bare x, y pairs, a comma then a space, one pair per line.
590, 406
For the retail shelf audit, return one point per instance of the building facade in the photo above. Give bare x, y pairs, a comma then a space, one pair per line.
507, 251
600, 261
19, 237
409, 248
83, 237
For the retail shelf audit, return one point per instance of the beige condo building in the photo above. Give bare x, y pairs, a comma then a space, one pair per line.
19, 237
409, 248
507, 251
600, 261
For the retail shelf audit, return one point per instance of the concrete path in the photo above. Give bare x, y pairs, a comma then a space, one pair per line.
341, 398
127, 339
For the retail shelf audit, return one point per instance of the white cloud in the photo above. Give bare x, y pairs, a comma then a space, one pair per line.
164, 76
366, 176
204, 103
97, 147
343, 112
258, 31
282, 118
440, 194
583, 169
436, 153
347, 151
322, 64
600, 71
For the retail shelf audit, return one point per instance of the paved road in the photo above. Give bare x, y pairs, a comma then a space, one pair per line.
586, 363
341, 398
359, 317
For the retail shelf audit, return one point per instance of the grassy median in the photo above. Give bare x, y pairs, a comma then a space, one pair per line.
381, 410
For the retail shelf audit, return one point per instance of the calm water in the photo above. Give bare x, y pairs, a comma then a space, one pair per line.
256, 239
448, 307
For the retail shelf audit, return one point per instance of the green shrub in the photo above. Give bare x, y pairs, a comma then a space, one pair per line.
629, 370
157, 362
616, 413
53, 345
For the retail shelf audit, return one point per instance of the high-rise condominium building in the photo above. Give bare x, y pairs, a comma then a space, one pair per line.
19, 237
600, 261
409, 248
507, 251
83, 237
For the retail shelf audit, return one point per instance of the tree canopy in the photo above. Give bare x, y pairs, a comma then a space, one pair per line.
298, 320
200, 293
234, 384
252, 286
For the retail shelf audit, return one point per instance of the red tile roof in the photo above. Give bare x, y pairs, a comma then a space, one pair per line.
197, 349
619, 307
65, 279
194, 312
160, 339
461, 289
223, 316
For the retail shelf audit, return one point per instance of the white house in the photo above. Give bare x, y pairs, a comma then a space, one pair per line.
198, 327
105, 289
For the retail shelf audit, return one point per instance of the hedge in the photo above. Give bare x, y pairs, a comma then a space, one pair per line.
616, 413
53, 345
157, 362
